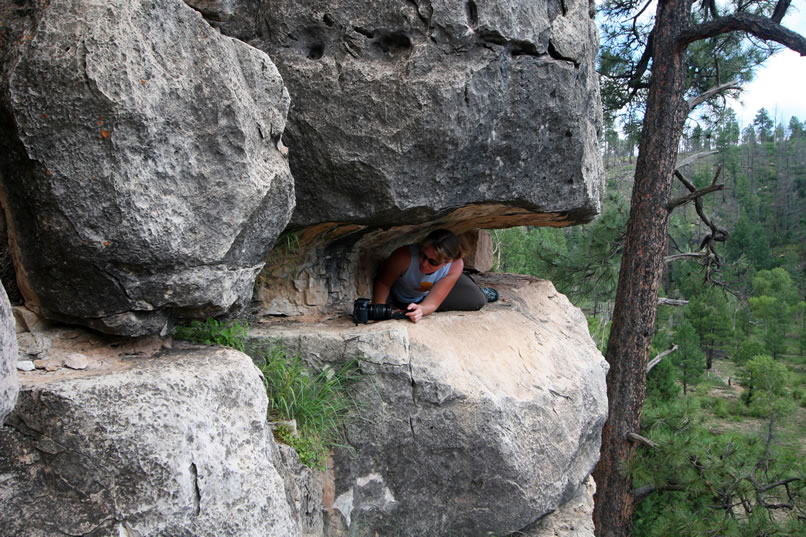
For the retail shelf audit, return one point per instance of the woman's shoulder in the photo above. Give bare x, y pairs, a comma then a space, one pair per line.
398, 261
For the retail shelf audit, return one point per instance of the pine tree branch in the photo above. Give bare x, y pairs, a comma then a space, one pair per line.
717, 234
682, 200
663, 301
685, 255
635, 437
781, 483
656, 360
716, 90
643, 63
641, 493
780, 11
764, 28
694, 158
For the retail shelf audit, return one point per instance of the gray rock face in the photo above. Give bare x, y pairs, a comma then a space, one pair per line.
8, 358
175, 444
139, 162
405, 111
472, 422
303, 488
572, 519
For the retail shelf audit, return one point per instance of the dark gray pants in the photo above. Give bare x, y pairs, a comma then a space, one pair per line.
465, 296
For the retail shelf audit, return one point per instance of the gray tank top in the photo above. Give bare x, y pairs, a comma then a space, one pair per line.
413, 286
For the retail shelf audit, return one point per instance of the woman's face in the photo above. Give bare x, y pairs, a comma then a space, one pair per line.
429, 262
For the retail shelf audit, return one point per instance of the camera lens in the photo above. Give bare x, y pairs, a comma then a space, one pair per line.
379, 312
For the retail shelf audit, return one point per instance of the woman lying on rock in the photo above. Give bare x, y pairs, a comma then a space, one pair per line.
427, 277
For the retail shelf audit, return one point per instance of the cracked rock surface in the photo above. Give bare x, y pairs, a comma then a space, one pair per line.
138, 161
174, 442
9, 385
403, 111
471, 422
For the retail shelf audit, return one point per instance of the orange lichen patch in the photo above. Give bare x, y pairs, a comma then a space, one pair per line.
100, 122
107, 243
47, 172
105, 134
144, 82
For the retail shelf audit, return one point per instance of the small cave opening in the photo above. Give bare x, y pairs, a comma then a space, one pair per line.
316, 51
472, 12
392, 43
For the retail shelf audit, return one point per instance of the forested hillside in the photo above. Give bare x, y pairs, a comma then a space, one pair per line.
723, 429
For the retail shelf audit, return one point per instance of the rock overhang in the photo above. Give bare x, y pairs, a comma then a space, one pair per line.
403, 118
403, 112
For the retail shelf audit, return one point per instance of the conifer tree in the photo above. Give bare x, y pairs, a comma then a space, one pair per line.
657, 68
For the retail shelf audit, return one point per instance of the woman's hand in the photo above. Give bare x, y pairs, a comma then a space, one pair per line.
415, 312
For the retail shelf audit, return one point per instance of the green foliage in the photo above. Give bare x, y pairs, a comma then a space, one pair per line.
763, 125
312, 453
710, 448
582, 262
750, 348
772, 304
750, 241
318, 402
765, 382
212, 332
660, 382
713, 484
776, 283
710, 315
689, 358
600, 331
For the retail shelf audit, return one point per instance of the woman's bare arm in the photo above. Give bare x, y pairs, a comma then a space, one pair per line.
437, 293
393, 268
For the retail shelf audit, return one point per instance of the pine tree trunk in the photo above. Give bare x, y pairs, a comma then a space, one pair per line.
641, 270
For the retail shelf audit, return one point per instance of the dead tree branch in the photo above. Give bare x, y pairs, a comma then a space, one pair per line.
685, 255
716, 234
694, 102
656, 360
634, 437
694, 158
663, 301
674, 204
642, 493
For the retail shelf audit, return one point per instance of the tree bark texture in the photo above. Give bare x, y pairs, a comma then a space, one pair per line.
641, 269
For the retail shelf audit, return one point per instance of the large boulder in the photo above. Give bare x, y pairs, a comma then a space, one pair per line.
141, 165
404, 112
146, 443
8, 358
472, 423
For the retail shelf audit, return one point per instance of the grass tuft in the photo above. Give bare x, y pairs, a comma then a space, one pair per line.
212, 332
319, 402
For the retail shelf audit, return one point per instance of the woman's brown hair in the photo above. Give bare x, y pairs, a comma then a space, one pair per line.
445, 244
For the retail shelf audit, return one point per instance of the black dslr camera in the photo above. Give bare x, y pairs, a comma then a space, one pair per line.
364, 311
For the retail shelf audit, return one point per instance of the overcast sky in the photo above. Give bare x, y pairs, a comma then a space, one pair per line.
780, 84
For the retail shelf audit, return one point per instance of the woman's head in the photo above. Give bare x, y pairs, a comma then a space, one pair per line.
445, 245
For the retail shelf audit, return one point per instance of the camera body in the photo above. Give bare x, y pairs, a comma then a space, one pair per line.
365, 311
